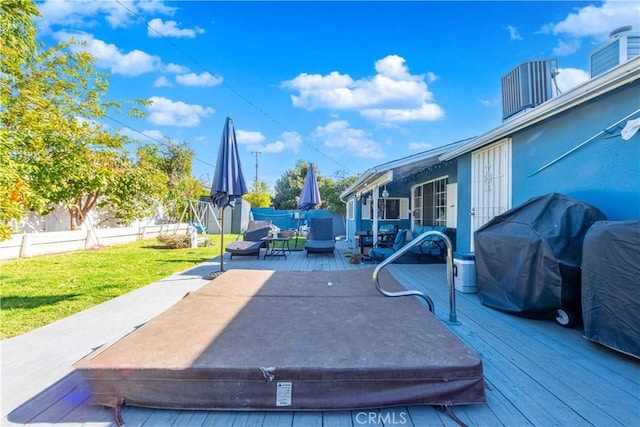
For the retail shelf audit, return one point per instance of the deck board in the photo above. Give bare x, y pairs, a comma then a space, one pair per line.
537, 372
190, 418
552, 374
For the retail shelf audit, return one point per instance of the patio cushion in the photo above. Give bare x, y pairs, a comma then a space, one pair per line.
380, 254
432, 245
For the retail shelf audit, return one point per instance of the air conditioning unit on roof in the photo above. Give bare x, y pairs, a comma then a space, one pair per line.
527, 86
622, 46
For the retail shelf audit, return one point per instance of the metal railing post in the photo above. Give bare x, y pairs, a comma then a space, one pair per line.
453, 317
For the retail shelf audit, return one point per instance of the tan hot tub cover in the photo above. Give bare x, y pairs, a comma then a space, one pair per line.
276, 340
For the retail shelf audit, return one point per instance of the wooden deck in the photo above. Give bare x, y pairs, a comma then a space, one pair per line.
537, 372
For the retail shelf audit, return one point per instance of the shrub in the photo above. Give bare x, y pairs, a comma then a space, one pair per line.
175, 241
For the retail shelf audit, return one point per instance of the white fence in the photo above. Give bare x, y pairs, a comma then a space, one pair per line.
32, 244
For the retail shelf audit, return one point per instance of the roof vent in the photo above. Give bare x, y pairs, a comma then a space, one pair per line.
619, 31
622, 46
527, 86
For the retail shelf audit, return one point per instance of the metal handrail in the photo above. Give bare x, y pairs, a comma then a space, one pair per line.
453, 318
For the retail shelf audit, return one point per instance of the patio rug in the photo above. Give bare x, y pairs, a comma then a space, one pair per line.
283, 340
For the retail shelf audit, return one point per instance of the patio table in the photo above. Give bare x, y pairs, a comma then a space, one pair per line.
277, 249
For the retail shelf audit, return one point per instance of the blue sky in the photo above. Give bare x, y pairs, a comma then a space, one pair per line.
345, 85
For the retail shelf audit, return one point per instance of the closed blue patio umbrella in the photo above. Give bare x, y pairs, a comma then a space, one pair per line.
228, 180
309, 196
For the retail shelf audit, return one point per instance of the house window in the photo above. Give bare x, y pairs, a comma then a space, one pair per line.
389, 208
440, 202
350, 209
430, 203
417, 205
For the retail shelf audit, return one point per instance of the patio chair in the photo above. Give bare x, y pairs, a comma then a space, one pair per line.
381, 253
387, 235
251, 242
321, 239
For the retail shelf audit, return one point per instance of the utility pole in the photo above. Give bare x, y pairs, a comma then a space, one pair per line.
257, 153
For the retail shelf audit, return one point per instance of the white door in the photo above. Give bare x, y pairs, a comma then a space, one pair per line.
490, 184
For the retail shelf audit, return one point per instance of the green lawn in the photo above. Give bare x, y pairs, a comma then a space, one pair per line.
40, 290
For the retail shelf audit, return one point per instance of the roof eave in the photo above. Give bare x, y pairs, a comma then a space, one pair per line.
374, 173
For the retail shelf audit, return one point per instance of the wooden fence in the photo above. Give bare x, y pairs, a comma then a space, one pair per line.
33, 244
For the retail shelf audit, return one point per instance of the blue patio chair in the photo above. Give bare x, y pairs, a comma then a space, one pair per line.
387, 235
321, 239
380, 254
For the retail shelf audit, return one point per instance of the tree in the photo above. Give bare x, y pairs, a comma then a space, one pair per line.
60, 151
331, 188
176, 161
53, 149
137, 186
17, 48
51, 105
289, 186
259, 196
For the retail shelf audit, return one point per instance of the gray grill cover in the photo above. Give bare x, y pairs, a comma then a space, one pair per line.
611, 285
528, 258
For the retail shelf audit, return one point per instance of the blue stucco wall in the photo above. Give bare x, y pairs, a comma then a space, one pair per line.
604, 172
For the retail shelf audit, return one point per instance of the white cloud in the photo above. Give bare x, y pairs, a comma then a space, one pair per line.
290, 141
592, 21
162, 81
204, 79
249, 137
568, 78
513, 33
392, 66
166, 112
108, 55
337, 135
159, 28
155, 7
427, 112
567, 47
176, 69
597, 21
86, 13
420, 146
393, 94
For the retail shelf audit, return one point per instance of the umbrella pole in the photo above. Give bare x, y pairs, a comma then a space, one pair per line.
297, 231
222, 241
295, 246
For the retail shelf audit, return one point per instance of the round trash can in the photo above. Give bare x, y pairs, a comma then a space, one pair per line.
464, 272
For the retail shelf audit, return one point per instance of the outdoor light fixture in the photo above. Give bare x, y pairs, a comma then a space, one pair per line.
385, 193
